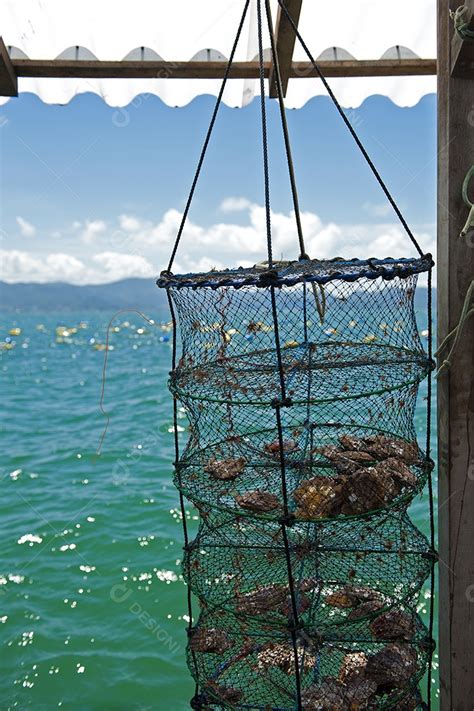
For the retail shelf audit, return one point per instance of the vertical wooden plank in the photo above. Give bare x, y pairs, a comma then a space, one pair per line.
8, 80
455, 271
285, 39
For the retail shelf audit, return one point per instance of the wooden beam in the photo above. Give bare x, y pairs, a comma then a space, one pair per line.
149, 69
462, 51
95, 69
285, 44
455, 268
8, 80
366, 68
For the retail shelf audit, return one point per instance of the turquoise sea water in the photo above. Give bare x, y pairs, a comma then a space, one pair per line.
92, 605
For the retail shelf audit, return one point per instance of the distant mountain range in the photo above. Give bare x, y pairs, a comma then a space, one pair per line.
59, 296
141, 294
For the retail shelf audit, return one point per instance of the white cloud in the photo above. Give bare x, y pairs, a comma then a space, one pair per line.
24, 266
26, 228
129, 223
115, 266
18, 266
144, 249
92, 229
235, 204
379, 210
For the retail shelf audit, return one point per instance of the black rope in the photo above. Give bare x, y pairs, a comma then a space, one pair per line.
276, 329
283, 399
178, 472
270, 280
284, 125
263, 112
291, 583
208, 137
430, 476
352, 130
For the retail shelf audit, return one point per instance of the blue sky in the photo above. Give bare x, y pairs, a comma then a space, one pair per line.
92, 193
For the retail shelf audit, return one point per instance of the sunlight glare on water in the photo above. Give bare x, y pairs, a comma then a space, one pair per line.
92, 601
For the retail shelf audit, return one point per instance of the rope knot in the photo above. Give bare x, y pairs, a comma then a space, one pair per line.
429, 464
428, 643
197, 702
269, 278
296, 628
281, 402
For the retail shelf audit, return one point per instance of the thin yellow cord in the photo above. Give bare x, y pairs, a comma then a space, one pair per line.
320, 303
466, 312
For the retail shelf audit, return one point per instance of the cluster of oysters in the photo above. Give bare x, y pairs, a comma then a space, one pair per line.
362, 681
365, 678
370, 471
360, 602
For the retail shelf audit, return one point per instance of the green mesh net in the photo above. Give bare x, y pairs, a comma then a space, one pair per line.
302, 460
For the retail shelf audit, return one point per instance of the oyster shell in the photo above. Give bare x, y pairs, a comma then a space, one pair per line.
225, 469
289, 445
224, 693
394, 665
365, 609
262, 600
345, 462
347, 465
303, 603
393, 625
382, 447
333, 695
210, 640
282, 656
399, 472
258, 501
353, 666
271, 598
351, 596
351, 442
356, 456
307, 584
358, 692
339, 599
409, 703
318, 497
326, 696
329, 451
366, 490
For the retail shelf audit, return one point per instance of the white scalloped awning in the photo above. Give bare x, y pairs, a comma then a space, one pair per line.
181, 29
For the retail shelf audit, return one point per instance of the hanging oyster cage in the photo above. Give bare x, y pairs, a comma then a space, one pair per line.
299, 380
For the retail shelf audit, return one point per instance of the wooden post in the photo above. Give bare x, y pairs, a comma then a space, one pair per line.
455, 270
8, 80
285, 44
